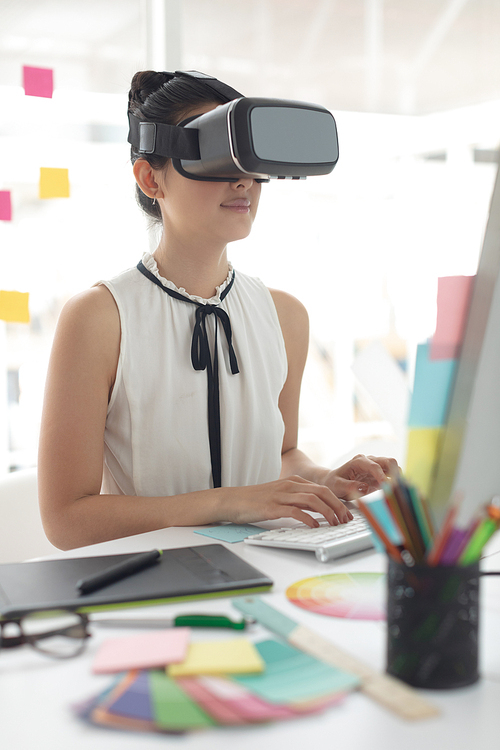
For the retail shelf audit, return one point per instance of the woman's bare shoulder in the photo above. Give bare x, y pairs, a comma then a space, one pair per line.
88, 334
97, 300
93, 311
292, 313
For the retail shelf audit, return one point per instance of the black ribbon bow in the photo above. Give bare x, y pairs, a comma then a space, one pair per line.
201, 359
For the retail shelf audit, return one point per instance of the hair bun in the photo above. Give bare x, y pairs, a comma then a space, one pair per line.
144, 83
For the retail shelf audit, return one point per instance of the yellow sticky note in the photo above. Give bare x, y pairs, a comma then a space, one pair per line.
237, 656
54, 183
421, 456
14, 307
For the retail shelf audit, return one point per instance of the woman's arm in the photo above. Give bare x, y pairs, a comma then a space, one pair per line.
80, 379
357, 477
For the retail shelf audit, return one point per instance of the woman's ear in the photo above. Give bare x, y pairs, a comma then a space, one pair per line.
146, 178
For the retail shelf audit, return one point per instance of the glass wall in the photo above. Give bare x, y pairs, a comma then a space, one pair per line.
415, 89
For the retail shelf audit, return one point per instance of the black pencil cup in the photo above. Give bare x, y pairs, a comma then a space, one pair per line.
432, 625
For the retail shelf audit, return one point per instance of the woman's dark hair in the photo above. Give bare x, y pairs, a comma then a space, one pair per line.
167, 98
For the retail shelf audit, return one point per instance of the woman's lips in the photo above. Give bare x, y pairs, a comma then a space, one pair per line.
239, 206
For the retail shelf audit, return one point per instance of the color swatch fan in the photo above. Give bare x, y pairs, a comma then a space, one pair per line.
357, 596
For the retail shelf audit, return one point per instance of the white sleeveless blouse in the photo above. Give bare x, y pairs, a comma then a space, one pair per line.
156, 440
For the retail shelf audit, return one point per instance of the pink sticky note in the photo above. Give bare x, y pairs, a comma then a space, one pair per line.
5, 206
453, 304
38, 81
144, 651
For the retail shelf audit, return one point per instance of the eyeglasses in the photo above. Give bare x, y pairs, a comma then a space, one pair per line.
60, 634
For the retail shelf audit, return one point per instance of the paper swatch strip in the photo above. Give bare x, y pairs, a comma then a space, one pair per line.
292, 676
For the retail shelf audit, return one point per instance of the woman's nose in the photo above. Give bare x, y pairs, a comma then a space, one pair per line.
243, 182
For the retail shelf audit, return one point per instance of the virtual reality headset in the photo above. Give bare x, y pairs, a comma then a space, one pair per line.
253, 137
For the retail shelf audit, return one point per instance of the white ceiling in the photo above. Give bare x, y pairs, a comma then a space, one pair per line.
390, 56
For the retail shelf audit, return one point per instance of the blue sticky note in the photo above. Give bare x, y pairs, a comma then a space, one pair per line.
431, 390
230, 532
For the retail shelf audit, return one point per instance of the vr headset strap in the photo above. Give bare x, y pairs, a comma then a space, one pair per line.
163, 140
171, 140
218, 86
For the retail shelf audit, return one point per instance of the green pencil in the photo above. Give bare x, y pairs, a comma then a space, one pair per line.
473, 550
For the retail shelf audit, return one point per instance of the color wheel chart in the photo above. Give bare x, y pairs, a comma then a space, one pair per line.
356, 596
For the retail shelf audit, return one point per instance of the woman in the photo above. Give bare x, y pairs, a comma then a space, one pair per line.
134, 435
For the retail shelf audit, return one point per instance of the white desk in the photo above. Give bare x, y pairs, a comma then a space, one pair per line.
36, 692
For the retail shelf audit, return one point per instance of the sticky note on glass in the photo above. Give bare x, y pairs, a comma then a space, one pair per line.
236, 656
452, 306
5, 206
422, 452
144, 651
431, 390
14, 307
38, 81
231, 532
54, 183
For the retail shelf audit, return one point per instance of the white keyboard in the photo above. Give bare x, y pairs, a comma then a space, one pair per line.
327, 542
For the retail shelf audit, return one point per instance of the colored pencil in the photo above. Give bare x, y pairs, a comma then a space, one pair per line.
408, 512
422, 517
481, 535
397, 517
391, 548
441, 539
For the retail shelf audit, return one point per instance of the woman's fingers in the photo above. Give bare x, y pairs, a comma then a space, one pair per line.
370, 470
292, 497
314, 497
389, 466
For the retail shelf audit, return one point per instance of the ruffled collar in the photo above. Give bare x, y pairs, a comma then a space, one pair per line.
150, 263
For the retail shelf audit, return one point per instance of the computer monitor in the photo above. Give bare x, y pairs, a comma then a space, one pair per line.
469, 458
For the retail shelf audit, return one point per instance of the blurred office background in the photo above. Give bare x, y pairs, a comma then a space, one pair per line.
415, 89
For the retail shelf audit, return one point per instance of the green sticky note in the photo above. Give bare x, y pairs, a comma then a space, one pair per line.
172, 708
293, 676
230, 532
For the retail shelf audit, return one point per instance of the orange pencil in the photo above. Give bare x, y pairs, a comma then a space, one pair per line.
391, 548
493, 511
410, 521
428, 516
397, 517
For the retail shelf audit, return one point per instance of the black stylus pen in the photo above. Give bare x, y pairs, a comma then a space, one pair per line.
118, 571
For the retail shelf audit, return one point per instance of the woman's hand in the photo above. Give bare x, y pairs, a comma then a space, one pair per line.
360, 475
289, 497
